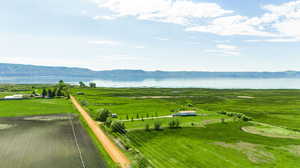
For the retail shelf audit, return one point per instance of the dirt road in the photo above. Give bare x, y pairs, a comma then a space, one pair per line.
114, 152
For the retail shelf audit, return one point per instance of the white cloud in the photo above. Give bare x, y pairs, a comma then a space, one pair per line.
105, 17
224, 50
276, 40
230, 25
279, 21
104, 42
227, 47
161, 38
170, 11
140, 47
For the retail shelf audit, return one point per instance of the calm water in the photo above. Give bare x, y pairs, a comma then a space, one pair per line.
220, 83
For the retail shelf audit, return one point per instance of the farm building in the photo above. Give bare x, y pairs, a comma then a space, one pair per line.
185, 113
14, 97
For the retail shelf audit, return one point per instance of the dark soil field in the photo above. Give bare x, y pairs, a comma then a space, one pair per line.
46, 142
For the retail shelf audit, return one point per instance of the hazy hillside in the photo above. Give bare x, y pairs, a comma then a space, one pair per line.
18, 70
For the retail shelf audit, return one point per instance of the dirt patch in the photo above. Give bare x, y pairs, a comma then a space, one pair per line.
255, 153
59, 144
6, 126
246, 97
272, 131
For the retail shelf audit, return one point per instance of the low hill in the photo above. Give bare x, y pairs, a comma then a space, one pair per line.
19, 70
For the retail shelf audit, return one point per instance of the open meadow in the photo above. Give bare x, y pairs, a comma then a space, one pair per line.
216, 137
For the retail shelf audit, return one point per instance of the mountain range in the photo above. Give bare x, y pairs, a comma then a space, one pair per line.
20, 70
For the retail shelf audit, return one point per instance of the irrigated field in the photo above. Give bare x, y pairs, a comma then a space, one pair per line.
11, 108
46, 142
272, 140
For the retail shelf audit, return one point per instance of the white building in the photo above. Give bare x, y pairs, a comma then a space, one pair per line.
14, 97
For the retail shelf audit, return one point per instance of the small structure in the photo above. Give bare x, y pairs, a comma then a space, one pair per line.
185, 114
114, 115
14, 97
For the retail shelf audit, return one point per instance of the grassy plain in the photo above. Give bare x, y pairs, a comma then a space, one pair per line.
204, 141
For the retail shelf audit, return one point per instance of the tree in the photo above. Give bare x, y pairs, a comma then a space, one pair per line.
50, 94
119, 127
147, 127
81, 84
103, 114
33, 93
108, 122
174, 124
59, 92
44, 93
157, 125
54, 92
92, 85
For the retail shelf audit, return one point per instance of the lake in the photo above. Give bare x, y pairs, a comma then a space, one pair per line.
219, 83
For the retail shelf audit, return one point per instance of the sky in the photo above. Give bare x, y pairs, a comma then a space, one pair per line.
170, 35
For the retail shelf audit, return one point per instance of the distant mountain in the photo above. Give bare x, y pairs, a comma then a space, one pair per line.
19, 70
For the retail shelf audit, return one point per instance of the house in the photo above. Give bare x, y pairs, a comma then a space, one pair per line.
114, 116
185, 113
14, 97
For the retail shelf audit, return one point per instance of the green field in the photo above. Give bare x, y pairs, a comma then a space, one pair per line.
205, 141
13, 108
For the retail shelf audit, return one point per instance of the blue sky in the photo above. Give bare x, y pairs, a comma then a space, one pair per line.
215, 35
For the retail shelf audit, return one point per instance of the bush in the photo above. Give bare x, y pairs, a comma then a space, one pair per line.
142, 162
118, 127
147, 127
236, 115
108, 122
103, 114
84, 103
157, 125
174, 124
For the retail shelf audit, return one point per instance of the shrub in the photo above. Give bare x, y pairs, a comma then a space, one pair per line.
103, 114
84, 103
222, 120
157, 125
177, 124
236, 115
108, 122
174, 124
246, 118
118, 127
142, 162
147, 127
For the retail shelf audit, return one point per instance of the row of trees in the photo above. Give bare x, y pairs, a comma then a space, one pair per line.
91, 85
157, 125
236, 115
59, 90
